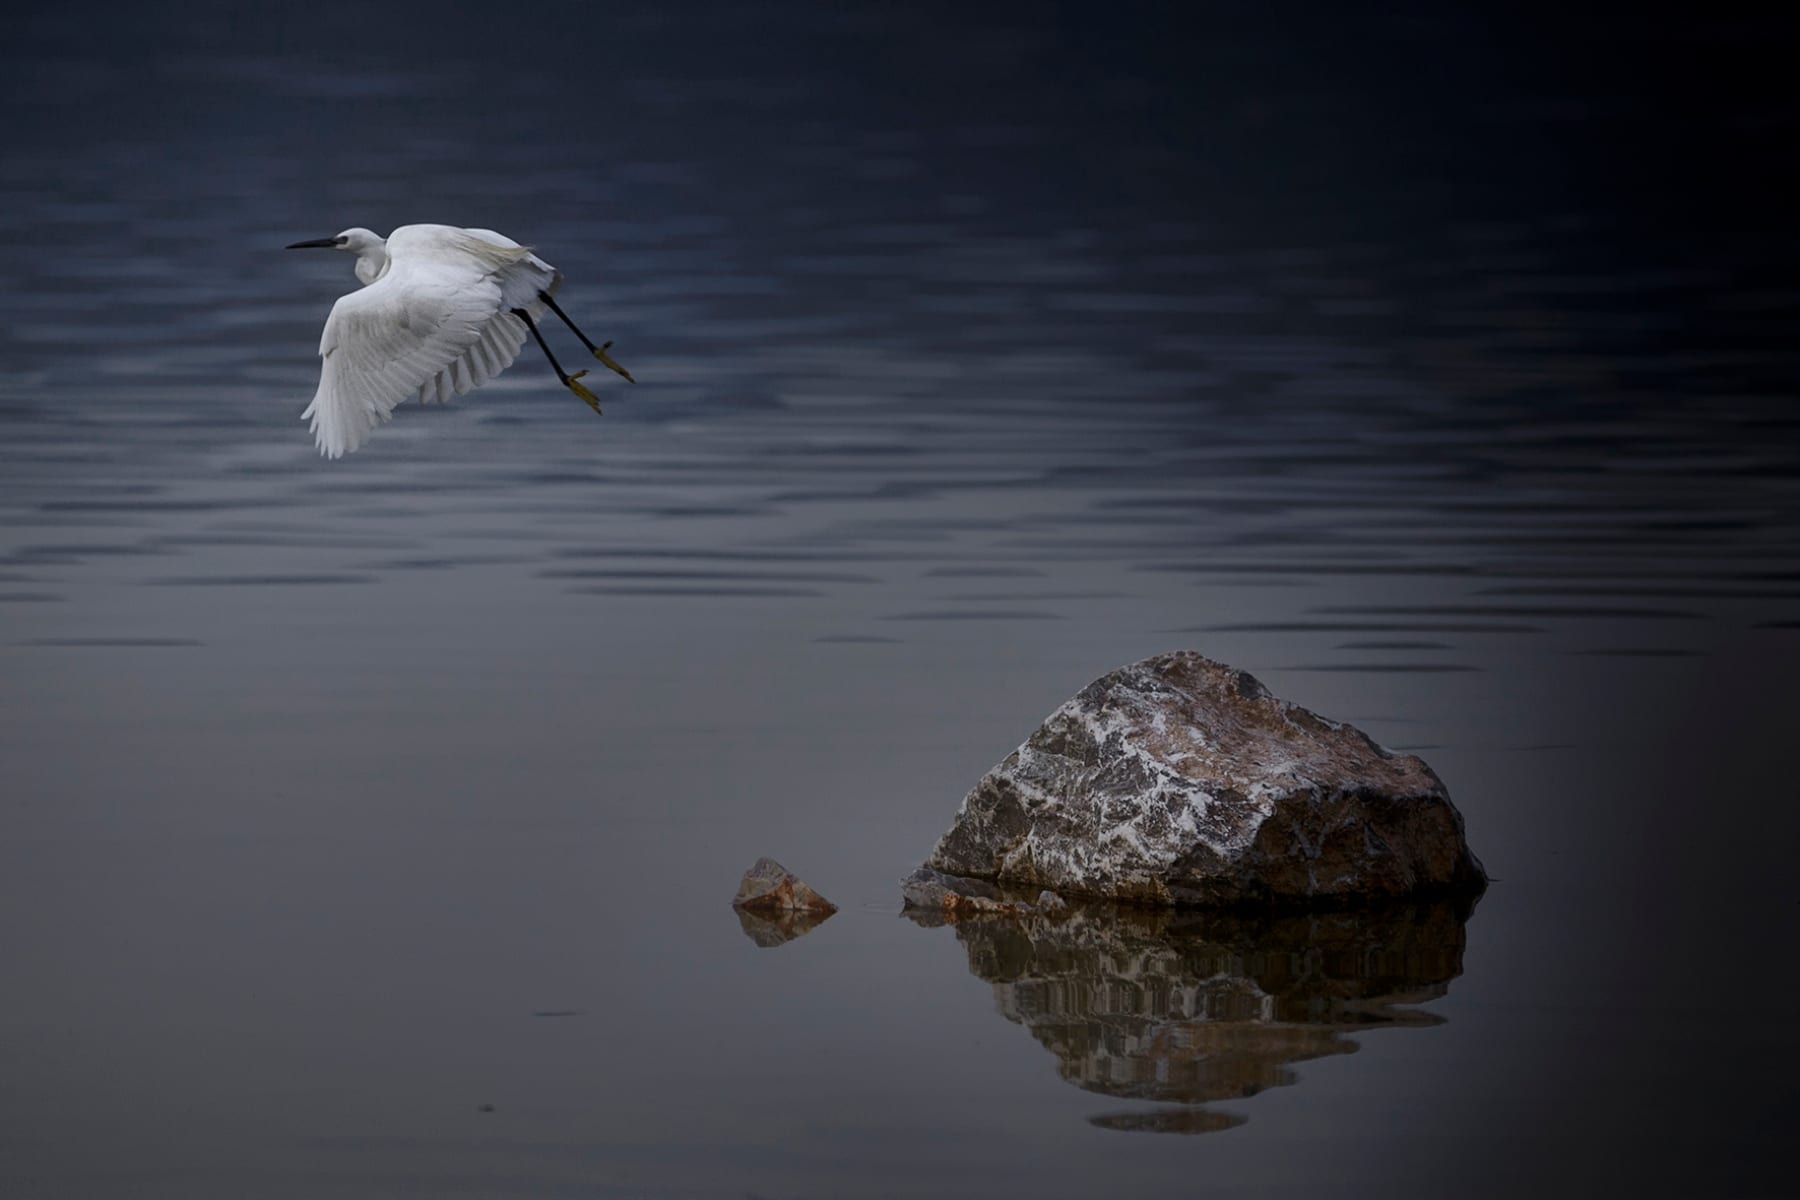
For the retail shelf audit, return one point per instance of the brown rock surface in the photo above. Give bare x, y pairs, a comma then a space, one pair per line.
770, 887
1180, 781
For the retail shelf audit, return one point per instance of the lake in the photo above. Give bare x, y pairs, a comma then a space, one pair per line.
368, 827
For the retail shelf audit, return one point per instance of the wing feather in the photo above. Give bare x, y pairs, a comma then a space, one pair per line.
500, 343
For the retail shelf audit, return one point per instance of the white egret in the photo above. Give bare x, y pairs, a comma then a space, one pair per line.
442, 310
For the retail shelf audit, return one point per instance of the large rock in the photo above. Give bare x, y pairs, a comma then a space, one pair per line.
1180, 781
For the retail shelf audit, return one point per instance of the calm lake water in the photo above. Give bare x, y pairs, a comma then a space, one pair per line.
367, 827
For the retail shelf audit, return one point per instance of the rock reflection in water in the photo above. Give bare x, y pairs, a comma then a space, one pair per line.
1189, 1008
777, 928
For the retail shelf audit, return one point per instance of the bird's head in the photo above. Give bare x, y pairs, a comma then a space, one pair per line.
356, 241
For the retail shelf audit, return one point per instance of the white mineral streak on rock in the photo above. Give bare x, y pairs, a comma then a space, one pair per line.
1180, 780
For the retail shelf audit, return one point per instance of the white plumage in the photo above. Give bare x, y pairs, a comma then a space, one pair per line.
435, 319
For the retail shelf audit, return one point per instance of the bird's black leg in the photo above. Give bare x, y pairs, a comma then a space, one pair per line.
599, 351
568, 381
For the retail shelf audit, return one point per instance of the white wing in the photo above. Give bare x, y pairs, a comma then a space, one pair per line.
444, 291
491, 353
500, 342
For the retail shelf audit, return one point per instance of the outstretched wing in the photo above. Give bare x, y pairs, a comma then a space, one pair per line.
386, 342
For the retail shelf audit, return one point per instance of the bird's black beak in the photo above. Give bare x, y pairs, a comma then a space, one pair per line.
329, 243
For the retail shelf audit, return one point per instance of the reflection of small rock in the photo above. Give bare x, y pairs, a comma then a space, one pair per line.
769, 886
775, 927
1180, 781
485, 1108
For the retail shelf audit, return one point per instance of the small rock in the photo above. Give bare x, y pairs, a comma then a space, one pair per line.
1180, 781
770, 887
957, 898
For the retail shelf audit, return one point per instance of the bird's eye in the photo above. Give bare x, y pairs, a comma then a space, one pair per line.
342, 240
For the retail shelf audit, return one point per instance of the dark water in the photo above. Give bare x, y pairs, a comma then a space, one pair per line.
367, 826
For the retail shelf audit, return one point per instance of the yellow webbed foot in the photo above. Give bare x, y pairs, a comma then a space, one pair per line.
606, 358
593, 401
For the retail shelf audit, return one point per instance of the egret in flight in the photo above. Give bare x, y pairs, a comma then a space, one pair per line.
441, 311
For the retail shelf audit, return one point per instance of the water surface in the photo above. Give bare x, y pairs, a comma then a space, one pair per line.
367, 827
